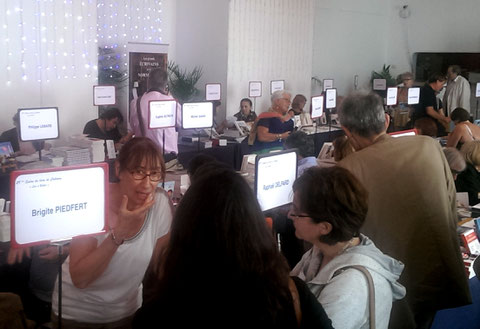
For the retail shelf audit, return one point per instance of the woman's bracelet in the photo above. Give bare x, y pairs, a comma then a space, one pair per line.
112, 235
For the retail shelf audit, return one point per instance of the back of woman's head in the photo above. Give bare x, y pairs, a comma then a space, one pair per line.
219, 237
471, 152
342, 147
333, 195
460, 115
137, 150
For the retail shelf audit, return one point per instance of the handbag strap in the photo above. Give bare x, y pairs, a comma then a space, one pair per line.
371, 291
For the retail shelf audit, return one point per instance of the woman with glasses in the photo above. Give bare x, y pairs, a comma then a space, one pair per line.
329, 207
222, 268
102, 277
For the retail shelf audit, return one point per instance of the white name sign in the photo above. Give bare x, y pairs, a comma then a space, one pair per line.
213, 91
103, 95
162, 114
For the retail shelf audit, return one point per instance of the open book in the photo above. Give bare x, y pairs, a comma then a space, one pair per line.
242, 127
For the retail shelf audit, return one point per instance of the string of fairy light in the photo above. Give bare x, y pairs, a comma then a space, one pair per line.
43, 40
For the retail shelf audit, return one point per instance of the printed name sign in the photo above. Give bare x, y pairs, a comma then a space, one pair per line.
413, 95
104, 95
38, 123
379, 84
255, 89
53, 204
213, 91
197, 115
327, 84
477, 90
276, 85
331, 98
317, 106
162, 114
392, 96
274, 177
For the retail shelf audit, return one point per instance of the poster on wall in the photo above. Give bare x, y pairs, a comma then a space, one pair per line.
143, 57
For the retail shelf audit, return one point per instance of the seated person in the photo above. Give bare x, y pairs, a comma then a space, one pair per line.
329, 207
426, 126
105, 127
19, 147
464, 130
305, 150
218, 225
455, 160
246, 114
273, 126
298, 103
469, 179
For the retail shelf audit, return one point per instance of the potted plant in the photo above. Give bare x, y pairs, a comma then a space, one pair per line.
182, 83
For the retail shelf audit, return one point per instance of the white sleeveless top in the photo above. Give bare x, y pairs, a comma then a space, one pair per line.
117, 293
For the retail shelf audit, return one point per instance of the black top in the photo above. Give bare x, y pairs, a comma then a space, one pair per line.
469, 181
11, 136
428, 98
232, 311
92, 130
247, 118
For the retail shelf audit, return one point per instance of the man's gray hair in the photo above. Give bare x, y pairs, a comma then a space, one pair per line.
362, 113
278, 94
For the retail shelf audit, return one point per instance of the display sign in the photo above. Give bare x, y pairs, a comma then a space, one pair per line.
330, 98
379, 84
409, 132
162, 114
392, 96
255, 89
60, 203
38, 123
413, 95
317, 106
276, 85
477, 90
274, 177
213, 91
327, 84
197, 115
104, 95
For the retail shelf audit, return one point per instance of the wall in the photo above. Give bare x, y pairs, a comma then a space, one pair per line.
349, 40
433, 26
201, 40
269, 40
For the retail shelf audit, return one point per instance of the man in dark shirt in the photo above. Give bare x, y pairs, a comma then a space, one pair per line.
430, 106
105, 127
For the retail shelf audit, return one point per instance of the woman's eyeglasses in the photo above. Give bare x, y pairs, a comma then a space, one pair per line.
139, 174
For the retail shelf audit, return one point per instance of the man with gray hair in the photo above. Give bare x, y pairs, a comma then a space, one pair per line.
412, 210
457, 93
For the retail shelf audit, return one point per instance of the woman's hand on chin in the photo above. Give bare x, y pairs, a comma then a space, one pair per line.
128, 219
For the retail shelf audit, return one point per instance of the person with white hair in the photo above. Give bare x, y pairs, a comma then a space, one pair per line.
273, 127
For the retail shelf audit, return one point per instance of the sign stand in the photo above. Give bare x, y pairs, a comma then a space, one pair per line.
60, 244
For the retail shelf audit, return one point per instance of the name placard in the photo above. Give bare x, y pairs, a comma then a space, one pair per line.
213, 91
60, 203
379, 84
477, 90
317, 106
276, 85
330, 98
197, 115
274, 177
162, 114
327, 84
413, 95
255, 89
38, 123
104, 95
392, 96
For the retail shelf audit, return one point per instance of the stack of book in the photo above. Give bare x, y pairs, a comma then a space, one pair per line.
72, 155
